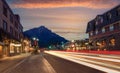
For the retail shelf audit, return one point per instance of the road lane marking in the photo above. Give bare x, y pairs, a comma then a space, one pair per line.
49, 67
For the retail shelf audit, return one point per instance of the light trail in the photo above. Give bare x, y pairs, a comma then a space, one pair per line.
85, 62
107, 59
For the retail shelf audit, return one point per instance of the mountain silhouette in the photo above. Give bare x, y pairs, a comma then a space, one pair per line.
46, 37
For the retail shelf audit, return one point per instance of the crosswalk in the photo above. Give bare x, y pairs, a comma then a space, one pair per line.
105, 63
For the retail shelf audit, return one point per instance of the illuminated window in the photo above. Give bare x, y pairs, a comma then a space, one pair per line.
99, 20
112, 42
104, 43
103, 30
111, 27
91, 33
98, 43
96, 23
96, 32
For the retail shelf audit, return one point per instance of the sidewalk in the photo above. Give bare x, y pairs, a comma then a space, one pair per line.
8, 62
14, 57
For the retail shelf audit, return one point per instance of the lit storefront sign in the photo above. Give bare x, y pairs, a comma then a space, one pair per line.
16, 45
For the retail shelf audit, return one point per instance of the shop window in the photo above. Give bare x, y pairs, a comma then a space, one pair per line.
104, 43
112, 41
98, 44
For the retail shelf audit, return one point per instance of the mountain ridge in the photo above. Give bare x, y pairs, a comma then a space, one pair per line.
46, 37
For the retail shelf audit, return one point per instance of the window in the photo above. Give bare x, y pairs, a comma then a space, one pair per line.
118, 11
111, 27
11, 18
103, 30
96, 31
5, 25
99, 20
91, 33
5, 11
96, 23
11, 30
109, 16
104, 43
107, 29
16, 25
112, 41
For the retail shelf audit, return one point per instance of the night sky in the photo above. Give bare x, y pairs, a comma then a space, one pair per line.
67, 18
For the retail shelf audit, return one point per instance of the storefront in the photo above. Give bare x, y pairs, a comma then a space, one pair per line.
1, 49
15, 49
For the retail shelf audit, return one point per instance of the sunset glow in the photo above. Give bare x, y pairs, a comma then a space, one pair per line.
61, 16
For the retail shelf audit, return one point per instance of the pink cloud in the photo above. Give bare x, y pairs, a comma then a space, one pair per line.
94, 4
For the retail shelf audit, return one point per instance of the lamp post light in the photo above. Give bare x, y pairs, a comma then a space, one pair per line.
35, 40
35, 44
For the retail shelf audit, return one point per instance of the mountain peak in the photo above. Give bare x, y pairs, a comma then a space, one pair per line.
42, 27
45, 36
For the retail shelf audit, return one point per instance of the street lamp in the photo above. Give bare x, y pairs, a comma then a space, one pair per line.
37, 39
34, 38
35, 44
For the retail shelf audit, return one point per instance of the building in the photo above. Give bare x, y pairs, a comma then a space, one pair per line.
11, 31
77, 45
104, 30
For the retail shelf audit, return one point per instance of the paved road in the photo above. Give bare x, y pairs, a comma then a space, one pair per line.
65, 66
105, 63
48, 64
32, 64
8, 62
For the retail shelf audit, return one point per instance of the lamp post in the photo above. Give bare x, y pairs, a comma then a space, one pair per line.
35, 44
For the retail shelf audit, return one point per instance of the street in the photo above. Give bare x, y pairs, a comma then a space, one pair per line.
105, 63
31, 64
66, 66
50, 62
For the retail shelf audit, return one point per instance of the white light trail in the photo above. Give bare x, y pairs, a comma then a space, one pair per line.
78, 60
